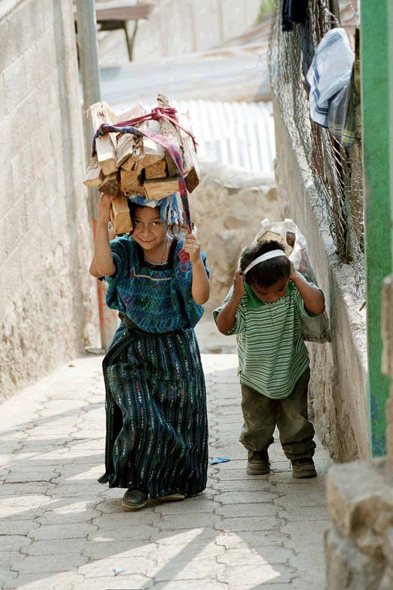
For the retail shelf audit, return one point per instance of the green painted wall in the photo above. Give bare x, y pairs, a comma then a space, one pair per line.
375, 116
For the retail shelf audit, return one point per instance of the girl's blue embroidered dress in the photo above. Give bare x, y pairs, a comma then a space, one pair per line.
157, 433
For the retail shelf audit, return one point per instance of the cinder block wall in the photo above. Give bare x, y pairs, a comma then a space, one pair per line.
339, 370
48, 310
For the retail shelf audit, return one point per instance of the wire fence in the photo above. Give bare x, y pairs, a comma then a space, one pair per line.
336, 170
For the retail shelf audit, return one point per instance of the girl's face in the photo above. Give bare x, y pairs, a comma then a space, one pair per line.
149, 231
273, 293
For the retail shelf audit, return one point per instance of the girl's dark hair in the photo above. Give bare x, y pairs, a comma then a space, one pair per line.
270, 271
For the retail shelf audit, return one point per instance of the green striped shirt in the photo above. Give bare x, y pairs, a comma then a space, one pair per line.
272, 353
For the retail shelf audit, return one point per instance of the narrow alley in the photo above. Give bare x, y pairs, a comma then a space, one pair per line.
62, 530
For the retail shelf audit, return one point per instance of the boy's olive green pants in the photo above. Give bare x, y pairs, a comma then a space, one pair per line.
262, 414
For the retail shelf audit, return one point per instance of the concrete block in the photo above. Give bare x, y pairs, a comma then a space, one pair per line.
31, 253
51, 12
4, 110
35, 200
21, 32
3, 250
13, 278
22, 170
359, 497
43, 155
26, 112
15, 225
8, 50
32, 71
6, 144
347, 568
46, 48
7, 197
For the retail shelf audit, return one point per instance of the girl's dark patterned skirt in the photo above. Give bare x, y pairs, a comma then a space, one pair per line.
156, 416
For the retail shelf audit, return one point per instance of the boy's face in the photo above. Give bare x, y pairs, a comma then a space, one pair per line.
272, 293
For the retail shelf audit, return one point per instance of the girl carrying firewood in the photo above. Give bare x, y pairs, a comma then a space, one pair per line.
156, 435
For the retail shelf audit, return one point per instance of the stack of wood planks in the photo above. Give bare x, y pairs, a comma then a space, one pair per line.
129, 165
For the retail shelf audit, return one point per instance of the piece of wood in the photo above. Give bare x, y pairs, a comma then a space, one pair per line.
184, 144
126, 142
157, 170
161, 188
94, 175
152, 151
120, 216
101, 112
110, 185
190, 158
131, 182
171, 166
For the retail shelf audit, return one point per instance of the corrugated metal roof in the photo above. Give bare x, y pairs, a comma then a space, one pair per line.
239, 134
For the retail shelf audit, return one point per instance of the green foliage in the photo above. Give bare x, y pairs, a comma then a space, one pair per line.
267, 6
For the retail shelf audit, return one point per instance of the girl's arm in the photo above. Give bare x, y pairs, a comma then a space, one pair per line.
102, 263
227, 316
312, 297
200, 288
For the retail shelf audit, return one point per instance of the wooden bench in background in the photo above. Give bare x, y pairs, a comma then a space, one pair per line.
114, 15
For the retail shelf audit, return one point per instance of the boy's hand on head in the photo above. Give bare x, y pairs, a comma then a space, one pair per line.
238, 285
103, 208
293, 272
193, 248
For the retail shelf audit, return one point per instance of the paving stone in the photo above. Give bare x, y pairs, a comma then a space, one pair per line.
196, 551
232, 540
13, 543
64, 531
142, 565
245, 485
138, 532
255, 510
205, 584
180, 569
191, 506
17, 527
249, 556
241, 576
186, 521
123, 581
104, 549
46, 581
51, 563
244, 497
55, 547
249, 523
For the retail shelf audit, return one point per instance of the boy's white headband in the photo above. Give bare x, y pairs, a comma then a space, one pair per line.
263, 257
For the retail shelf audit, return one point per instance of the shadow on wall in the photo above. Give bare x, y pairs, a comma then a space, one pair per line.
228, 207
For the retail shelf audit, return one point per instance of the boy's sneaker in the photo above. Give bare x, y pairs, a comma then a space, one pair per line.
258, 463
303, 468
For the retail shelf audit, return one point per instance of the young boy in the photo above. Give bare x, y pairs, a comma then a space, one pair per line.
264, 307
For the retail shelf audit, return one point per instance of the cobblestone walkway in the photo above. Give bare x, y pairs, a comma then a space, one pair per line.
60, 529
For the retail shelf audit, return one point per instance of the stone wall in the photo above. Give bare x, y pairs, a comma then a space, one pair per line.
48, 310
359, 543
228, 207
339, 370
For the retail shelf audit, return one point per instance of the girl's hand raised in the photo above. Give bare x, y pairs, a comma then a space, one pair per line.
193, 248
103, 208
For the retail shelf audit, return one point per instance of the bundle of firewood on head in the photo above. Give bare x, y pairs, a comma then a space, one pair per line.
151, 161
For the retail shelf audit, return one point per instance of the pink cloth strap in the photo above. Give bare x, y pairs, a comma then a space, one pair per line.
168, 113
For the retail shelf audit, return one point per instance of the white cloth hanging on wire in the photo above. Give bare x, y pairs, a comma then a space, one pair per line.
329, 72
